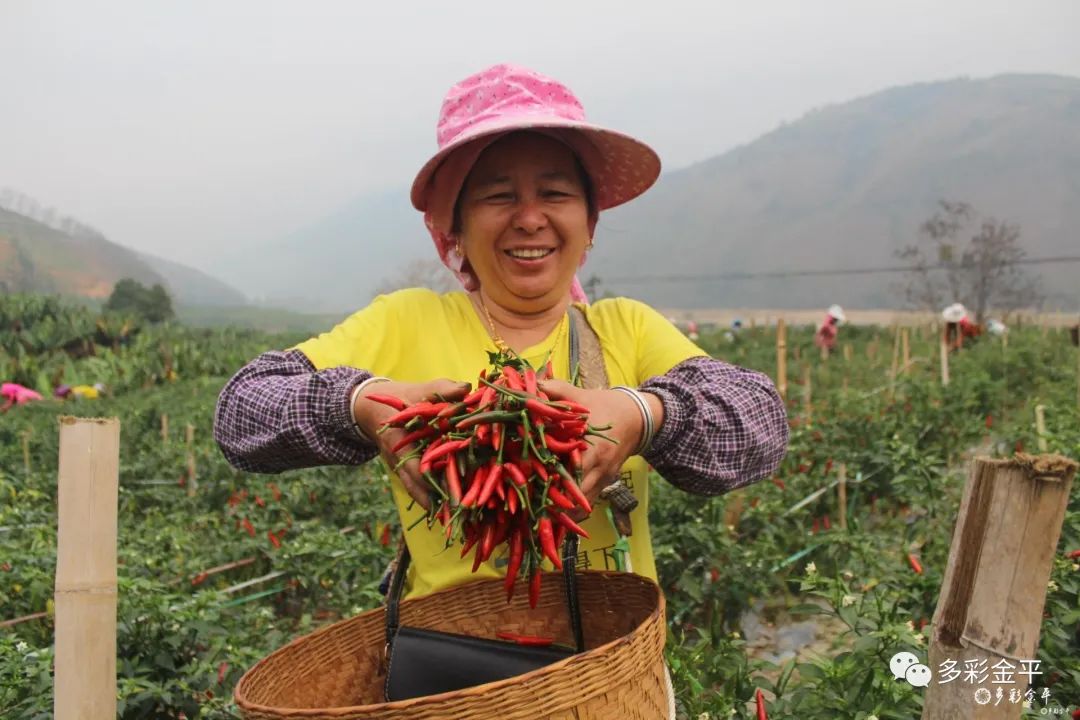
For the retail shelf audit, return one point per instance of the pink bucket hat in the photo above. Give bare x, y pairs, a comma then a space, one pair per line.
499, 100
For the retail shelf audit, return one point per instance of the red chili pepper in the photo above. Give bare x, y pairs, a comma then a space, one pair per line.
575, 407
423, 410
539, 468
534, 588
513, 566
515, 474
814, 530
547, 411
436, 451
500, 491
560, 535
221, 670
259, 501
574, 462
492, 479
1074, 555
915, 564
547, 542
273, 538
394, 402
779, 483
424, 432
453, 480
571, 486
249, 527
276, 491
514, 381
759, 701
530, 381
548, 372
487, 541
476, 485
828, 525
512, 502
569, 524
989, 421
471, 538
530, 640
558, 499
385, 539
562, 447
199, 579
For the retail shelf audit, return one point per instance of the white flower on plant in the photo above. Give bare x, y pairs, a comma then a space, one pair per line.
21, 646
704, 716
266, 613
911, 626
1051, 586
918, 639
356, 610
848, 574
1076, 567
871, 717
848, 600
811, 568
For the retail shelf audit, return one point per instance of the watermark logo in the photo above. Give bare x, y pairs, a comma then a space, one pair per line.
906, 666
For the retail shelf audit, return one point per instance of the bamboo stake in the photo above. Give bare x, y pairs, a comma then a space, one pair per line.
944, 361
905, 350
895, 361
824, 353
781, 358
164, 428
847, 352
1040, 426
841, 491
796, 353
26, 450
991, 603
85, 591
192, 481
808, 407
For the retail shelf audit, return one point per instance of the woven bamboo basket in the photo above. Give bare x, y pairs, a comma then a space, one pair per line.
337, 672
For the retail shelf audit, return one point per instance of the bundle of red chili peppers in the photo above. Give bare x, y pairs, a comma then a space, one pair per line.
503, 465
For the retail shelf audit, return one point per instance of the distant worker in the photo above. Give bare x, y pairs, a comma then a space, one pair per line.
15, 394
691, 331
80, 392
959, 328
825, 337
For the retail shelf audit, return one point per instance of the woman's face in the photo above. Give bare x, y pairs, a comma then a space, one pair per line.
525, 221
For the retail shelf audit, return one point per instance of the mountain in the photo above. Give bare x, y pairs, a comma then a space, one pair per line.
189, 286
35, 257
842, 187
336, 263
847, 185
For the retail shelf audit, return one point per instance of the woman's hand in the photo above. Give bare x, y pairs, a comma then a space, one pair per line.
603, 461
370, 416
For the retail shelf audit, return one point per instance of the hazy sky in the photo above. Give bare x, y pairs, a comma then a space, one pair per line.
188, 128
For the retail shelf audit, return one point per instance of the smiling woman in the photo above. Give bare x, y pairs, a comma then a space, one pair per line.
511, 200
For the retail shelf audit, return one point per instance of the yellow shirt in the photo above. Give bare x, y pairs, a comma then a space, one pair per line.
416, 335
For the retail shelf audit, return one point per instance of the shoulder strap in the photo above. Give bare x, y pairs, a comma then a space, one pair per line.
585, 352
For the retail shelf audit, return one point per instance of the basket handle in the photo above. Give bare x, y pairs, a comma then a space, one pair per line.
570, 546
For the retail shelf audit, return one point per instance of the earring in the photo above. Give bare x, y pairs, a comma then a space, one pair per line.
458, 250
589, 245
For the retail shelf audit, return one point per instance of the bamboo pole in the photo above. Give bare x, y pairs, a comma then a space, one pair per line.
905, 347
824, 353
808, 405
781, 358
85, 591
847, 352
895, 361
164, 428
841, 491
944, 361
994, 589
192, 480
26, 450
1040, 426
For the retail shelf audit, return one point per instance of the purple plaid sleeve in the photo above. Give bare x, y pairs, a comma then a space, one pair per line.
724, 426
278, 413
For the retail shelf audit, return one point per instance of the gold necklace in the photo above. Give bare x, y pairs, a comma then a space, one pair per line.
500, 344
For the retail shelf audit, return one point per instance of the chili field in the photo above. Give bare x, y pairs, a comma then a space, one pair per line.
212, 581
